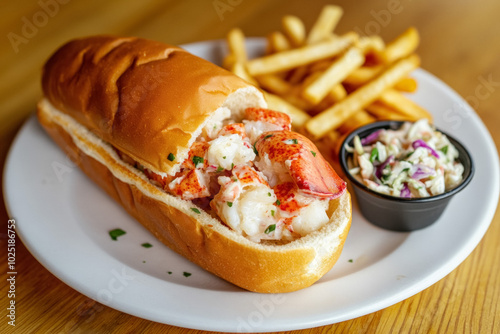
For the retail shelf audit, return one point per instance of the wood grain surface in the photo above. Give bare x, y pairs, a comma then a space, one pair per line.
460, 44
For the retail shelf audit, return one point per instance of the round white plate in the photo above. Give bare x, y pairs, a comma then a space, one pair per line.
64, 219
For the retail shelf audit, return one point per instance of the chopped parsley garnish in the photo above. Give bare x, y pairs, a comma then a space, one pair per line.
270, 228
171, 157
269, 194
186, 274
147, 245
195, 210
278, 202
232, 165
444, 149
374, 155
272, 212
197, 160
114, 234
313, 153
224, 157
409, 154
291, 141
229, 204
255, 150
219, 169
268, 136
351, 260
169, 272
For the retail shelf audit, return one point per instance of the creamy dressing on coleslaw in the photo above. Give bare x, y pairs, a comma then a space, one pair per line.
412, 162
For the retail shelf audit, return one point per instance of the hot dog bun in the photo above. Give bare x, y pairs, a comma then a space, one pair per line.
87, 84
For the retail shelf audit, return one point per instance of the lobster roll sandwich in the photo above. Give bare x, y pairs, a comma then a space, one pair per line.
190, 151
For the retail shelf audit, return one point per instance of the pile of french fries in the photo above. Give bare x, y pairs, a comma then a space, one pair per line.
331, 84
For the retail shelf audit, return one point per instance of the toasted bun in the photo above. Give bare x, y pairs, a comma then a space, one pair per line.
86, 123
147, 98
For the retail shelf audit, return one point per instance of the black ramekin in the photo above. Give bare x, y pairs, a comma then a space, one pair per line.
396, 213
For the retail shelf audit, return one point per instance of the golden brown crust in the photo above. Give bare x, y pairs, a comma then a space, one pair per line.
145, 97
199, 238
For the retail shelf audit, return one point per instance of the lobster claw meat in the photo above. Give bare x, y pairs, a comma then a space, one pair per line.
308, 169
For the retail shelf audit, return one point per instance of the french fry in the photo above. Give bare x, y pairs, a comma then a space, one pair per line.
274, 84
325, 24
335, 74
298, 74
403, 105
337, 93
384, 113
298, 116
404, 45
408, 85
362, 75
304, 55
311, 77
371, 44
240, 70
236, 44
356, 120
228, 61
278, 42
294, 29
320, 65
294, 97
332, 117
352, 35
331, 84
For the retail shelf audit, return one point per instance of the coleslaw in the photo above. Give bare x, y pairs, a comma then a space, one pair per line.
414, 161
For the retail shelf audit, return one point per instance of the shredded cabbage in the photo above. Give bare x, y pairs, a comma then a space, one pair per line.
413, 161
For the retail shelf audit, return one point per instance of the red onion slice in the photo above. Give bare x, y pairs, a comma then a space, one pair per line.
370, 138
380, 168
422, 172
405, 192
420, 143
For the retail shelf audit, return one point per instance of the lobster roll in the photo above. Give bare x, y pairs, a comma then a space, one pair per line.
193, 154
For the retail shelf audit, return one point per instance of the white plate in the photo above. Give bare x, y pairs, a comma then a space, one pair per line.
64, 221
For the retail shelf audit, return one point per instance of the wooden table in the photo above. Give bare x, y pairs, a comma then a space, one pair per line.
460, 44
